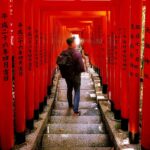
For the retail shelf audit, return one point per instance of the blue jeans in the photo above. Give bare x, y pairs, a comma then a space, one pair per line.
74, 83
76, 100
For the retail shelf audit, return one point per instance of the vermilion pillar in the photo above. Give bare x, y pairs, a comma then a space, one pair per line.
19, 61
134, 78
104, 56
45, 58
36, 44
116, 58
145, 142
111, 60
86, 35
97, 47
29, 86
124, 63
6, 110
109, 53
52, 47
49, 53
41, 64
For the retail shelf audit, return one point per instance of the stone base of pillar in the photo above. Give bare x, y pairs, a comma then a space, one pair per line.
134, 138
117, 114
104, 88
20, 138
41, 107
30, 124
36, 114
124, 124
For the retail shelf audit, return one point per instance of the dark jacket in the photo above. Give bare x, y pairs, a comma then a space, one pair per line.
77, 57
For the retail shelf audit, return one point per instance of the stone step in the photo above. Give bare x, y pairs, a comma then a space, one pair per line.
75, 129
85, 84
69, 112
78, 148
72, 119
82, 99
84, 95
83, 87
76, 140
82, 105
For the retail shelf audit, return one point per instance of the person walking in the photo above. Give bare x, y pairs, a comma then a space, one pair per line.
71, 66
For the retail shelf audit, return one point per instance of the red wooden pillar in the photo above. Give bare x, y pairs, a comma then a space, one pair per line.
29, 86
6, 111
145, 142
49, 53
109, 57
41, 63
45, 58
96, 45
86, 35
134, 78
19, 61
100, 49
104, 56
124, 69
36, 44
117, 112
97, 50
91, 50
115, 59
49, 58
51, 46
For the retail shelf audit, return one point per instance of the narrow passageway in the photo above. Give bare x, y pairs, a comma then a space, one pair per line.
67, 132
33, 105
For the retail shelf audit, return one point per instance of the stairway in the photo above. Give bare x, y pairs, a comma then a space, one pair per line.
67, 132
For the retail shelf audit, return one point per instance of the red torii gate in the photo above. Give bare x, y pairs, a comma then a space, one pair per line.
39, 67
145, 142
6, 122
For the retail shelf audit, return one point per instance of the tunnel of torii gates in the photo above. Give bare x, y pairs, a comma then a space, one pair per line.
33, 33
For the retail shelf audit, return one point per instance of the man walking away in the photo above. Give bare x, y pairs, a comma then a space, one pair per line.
71, 66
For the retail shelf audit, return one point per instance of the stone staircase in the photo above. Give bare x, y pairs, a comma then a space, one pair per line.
67, 132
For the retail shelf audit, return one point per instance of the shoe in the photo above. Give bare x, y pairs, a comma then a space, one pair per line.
77, 113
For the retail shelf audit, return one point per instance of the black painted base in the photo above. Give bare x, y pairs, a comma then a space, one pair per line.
20, 138
95, 68
104, 88
117, 114
45, 100
41, 108
30, 124
36, 114
124, 124
101, 80
112, 106
49, 90
134, 138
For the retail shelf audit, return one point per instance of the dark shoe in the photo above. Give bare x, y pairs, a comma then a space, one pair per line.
77, 113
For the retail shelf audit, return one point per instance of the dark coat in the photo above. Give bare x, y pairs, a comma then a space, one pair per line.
77, 57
